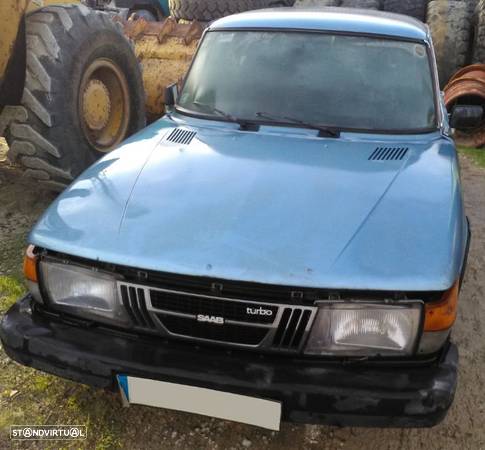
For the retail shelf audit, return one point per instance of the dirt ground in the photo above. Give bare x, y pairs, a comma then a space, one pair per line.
27, 396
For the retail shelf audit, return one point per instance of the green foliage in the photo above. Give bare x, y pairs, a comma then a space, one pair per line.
477, 155
10, 291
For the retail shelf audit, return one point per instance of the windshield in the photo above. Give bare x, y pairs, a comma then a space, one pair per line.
346, 82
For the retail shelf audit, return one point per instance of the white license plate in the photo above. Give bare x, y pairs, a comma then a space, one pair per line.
208, 402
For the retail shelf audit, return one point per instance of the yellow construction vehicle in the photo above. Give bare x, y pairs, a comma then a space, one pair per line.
71, 83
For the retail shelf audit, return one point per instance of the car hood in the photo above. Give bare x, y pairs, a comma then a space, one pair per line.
277, 206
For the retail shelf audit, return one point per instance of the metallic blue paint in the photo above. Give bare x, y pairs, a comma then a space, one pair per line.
280, 205
277, 206
341, 20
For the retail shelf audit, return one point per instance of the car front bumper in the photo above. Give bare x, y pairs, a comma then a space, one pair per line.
311, 390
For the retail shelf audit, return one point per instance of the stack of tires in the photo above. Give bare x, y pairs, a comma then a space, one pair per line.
450, 25
478, 32
208, 10
457, 26
458, 30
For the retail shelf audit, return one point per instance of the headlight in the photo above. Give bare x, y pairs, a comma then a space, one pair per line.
83, 292
364, 329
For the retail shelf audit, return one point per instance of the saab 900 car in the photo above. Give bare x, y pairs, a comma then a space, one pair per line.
286, 243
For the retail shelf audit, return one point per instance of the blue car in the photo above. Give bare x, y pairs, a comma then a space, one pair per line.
286, 244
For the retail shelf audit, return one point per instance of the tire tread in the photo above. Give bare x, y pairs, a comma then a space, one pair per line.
450, 25
478, 45
209, 10
38, 131
413, 8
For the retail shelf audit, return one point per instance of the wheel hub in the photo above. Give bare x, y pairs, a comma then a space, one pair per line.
96, 105
104, 105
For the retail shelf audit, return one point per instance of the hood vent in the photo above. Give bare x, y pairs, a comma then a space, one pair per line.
181, 136
388, 154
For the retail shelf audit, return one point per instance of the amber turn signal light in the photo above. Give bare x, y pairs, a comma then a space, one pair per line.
441, 316
30, 264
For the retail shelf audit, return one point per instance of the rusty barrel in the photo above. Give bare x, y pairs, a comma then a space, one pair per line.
467, 87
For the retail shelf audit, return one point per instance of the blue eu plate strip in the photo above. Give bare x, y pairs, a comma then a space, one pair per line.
123, 383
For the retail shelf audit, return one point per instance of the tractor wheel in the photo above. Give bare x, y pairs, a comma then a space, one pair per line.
450, 25
413, 8
209, 10
83, 94
478, 54
363, 4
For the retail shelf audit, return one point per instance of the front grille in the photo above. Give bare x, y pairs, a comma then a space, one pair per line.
230, 310
234, 322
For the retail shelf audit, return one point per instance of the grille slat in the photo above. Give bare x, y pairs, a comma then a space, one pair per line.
292, 340
181, 136
133, 298
143, 308
291, 329
388, 154
126, 302
300, 330
134, 301
295, 317
282, 327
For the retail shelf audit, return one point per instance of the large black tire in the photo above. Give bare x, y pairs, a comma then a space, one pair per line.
363, 4
413, 8
209, 10
316, 3
450, 25
478, 53
472, 4
46, 134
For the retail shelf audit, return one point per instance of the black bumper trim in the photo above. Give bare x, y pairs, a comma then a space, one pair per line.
311, 391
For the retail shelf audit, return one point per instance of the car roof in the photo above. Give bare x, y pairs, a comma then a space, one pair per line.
342, 20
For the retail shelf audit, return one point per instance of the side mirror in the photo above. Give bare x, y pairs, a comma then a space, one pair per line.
466, 116
170, 95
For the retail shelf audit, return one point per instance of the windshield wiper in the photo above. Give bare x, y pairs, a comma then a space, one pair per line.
323, 130
244, 124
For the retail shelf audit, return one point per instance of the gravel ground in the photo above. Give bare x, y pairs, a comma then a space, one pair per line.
142, 427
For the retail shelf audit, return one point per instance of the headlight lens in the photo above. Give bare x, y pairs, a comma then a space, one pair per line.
364, 329
83, 292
